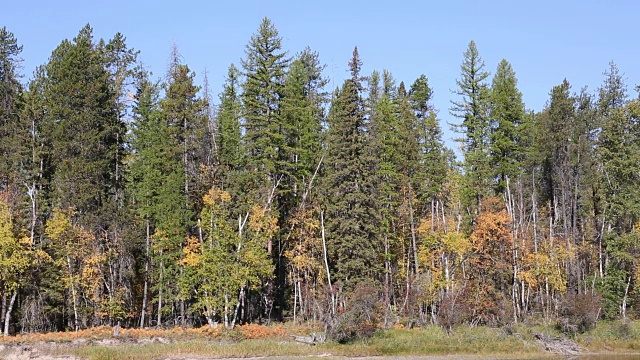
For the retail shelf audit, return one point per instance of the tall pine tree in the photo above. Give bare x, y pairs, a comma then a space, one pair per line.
475, 127
351, 211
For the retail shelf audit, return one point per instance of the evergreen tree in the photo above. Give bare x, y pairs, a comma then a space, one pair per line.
475, 126
83, 128
230, 149
302, 113
264, 67
184, 113
433, 155
507, 111
351, 212
618, 151
184, 122
158, 183
11, 126
386, 147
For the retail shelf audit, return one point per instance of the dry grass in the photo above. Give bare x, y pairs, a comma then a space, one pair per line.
258, 340
270, 341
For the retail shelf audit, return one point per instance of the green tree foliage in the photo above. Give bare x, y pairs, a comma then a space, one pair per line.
264, 67
124, 200
82, 127
184, 113
11, 126
229, 138
434, 158
350, 202
507, 111
228, 262
618, 151
475, 126
302, 113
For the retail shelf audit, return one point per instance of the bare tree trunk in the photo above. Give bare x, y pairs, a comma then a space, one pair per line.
387, 281
183, 319
159, 321
73, 295
326, 263
413, 232
295, 300
7, 317
240, 301
623, 307
4, 307
226, 310
146, 277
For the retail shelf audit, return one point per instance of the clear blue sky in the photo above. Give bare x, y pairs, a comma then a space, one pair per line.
545, 41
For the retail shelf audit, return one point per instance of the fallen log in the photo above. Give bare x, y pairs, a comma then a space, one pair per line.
309, 340
559, 345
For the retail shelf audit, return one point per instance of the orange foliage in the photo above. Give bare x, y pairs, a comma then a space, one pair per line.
255, 331
249, 331
492, 238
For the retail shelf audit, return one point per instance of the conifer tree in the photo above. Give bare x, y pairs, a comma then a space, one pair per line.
184, 112
264, 68
302, 113
618, 151
434, 159
230, 150
351, 212
11, 126
507, 111
83, 127
475, 126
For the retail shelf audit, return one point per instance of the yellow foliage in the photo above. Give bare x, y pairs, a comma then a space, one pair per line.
192, 252
261, 222
457, 244
16, 252
59, 225
216, 196
546, 266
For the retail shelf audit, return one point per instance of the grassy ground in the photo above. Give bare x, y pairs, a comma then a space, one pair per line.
479, 341
256, 341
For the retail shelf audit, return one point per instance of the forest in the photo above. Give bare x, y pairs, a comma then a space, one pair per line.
151, 202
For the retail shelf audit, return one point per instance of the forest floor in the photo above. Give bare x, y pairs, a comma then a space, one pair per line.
277, 342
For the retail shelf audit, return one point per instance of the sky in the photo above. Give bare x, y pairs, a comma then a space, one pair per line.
545, 41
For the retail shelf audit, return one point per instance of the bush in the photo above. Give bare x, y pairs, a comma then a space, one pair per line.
452, 310
358, 319
579, 313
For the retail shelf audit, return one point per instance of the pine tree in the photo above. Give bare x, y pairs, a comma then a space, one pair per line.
264, 67
386, 146
158, 184
351, 212
618, 152
83, 127
302, 113
184, 113
268, 161
507, 111
230, 149
11, 126
475, 126
433, 159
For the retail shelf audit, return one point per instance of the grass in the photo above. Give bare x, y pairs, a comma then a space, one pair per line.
480, 341
256, 340
612, 336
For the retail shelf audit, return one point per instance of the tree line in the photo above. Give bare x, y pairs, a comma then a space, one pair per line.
130, 200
